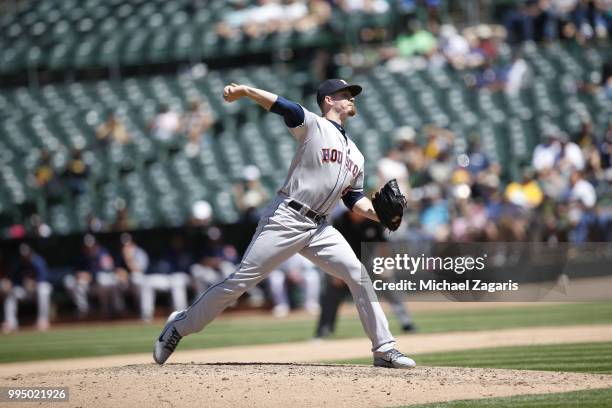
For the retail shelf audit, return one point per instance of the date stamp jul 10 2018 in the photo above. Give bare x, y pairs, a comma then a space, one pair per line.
23, 394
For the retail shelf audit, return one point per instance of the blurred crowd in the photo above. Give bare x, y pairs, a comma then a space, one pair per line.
273, 16
546, 20
564, 194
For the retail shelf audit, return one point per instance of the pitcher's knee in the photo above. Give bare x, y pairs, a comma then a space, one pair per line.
231, 289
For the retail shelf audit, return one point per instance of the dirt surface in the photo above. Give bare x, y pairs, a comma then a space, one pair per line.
281, 375
296, 385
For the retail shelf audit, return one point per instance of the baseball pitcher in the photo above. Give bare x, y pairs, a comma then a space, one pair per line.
327, 167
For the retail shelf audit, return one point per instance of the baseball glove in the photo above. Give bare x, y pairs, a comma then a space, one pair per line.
389, 204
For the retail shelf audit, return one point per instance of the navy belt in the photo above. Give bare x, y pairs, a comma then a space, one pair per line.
305, 211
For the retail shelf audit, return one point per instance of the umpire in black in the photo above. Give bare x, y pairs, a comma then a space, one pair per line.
356, 229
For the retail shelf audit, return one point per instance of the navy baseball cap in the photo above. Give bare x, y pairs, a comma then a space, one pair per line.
331, 86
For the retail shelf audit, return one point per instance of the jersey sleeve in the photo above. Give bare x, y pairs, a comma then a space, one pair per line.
357, 184
290, 111
310, 121
354, 192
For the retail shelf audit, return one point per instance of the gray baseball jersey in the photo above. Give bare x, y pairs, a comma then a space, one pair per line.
326, 165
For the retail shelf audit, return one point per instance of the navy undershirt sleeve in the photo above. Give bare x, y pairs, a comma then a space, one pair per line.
290, 111
351, 197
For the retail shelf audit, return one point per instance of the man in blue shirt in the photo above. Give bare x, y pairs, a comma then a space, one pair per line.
29, 280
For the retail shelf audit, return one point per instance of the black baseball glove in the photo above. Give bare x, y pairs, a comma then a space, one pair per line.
389, 204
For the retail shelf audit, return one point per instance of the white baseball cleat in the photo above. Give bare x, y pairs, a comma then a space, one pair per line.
392, 359
168, 339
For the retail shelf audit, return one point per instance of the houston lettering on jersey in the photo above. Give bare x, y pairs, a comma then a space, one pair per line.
335, 156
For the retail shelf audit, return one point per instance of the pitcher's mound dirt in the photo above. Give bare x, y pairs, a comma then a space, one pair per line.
296, 385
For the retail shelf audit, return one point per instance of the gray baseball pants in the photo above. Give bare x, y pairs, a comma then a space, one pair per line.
281, 233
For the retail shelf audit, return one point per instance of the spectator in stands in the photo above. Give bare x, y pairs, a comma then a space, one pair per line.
414, 40
167, 273
554, 183
269, 16
604, 207
195, 123
43, 172
95, 271
29, 280
76, 173
435, 217
45, 177
484, 40
457, 50
112, 130
122, 222
571, 155
405, 139
300, 272
319, 15
433, 15
134, 263
263, 19
418, 167
488, 77
166, 125
582, 20
582, 199
605, 148
514, 224
526, 193
439, 140
294, 11
478, 161
591, 153
411, 154
594, 170
532, 21
482, 184
406, 11
231, 25
586, 135
546, 155
494, 207
469, 221
518, 74
565, 16
581, 191
392, 167
441, 168
363, 6
607, 76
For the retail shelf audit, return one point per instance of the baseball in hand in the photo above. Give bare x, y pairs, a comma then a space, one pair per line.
233, 92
